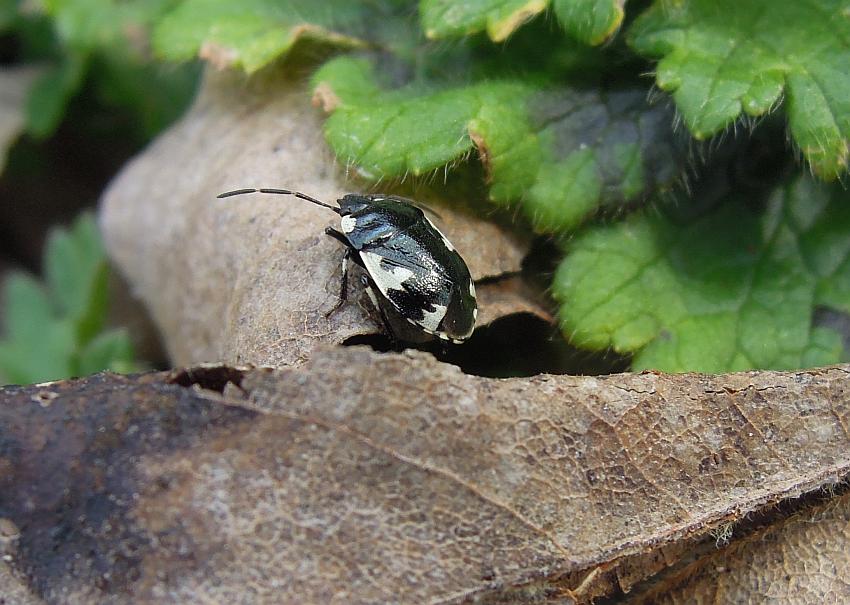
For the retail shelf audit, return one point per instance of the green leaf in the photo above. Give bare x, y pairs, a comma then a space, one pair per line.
155, 94
824, 349
8, 13
103, 44
252, 34
76, 273
38, 344
89, 25
46, 358
722, 57
26, 305
591, 21
561, 151
86, 24
51, 93
54, 332
35, 37
444, 18
111, 350
730, 291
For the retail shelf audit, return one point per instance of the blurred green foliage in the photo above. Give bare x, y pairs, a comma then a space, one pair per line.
100, 50
104, 44
591, 21
56, 328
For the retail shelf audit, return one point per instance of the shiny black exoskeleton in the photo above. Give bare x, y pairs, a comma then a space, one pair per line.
411, 264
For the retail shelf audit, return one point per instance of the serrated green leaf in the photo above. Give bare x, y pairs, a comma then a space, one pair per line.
252, 34
111, 350
591, 21
720, 58
731, 291
561, 151
380, 131
444, 18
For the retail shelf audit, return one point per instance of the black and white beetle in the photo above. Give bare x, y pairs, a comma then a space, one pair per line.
416, 270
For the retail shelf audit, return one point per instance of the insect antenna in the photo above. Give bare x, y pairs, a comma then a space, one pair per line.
297, 194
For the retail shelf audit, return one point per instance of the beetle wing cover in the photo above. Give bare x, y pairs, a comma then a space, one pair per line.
419, 272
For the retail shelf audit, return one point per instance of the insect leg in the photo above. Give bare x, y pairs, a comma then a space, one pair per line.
340, 237
343, 286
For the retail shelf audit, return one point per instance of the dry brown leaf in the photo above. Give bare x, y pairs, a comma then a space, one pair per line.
506, 297
13, 587
250, 279
804, 559
369, 478
15, 591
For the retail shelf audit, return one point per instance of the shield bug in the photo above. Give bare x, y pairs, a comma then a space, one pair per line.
411, 267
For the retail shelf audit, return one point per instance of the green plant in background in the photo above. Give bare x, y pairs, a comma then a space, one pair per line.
733, 248
541, 142
730, 291
97, 51
692, 238
56, 329
104, 43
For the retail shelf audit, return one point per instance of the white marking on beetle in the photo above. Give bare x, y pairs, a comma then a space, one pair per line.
386, 279
432, 319
444, 238
348, 223
475, 314
471, 289
372, 296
